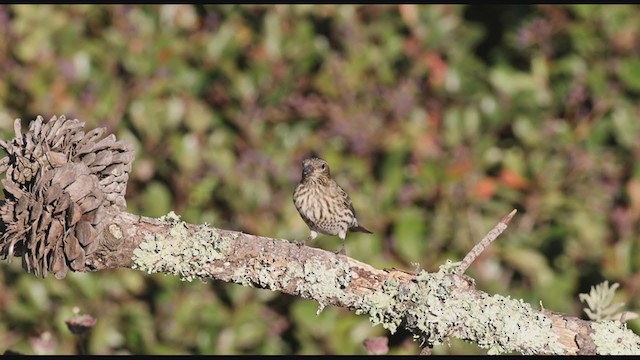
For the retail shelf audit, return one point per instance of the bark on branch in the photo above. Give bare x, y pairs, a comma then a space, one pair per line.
433, 306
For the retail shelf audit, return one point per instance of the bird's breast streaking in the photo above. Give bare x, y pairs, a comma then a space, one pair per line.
323, 205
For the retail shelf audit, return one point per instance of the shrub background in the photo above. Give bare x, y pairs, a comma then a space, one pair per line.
437, 119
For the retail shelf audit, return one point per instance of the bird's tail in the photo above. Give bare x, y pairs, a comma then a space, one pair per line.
361, 228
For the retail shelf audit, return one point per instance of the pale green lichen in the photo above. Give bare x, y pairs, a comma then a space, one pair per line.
600, 303
450, 267
291, 272
264, 273
434, 310
171, 217
265, 278
182, 252
382, 306
613, 338
241, 277
324, 282
313, 279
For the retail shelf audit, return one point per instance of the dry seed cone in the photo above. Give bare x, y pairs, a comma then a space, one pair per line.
59, 182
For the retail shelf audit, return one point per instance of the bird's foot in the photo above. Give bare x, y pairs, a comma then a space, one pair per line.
309, 238
342, 251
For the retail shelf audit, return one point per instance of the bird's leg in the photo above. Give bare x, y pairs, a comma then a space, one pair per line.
342, 235
312, 235
303, 242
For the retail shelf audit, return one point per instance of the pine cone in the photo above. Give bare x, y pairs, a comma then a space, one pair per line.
59, 182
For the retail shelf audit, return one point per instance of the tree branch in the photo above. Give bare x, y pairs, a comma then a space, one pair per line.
485, 242
433, 306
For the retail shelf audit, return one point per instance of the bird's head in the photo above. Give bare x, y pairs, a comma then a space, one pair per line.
315, 168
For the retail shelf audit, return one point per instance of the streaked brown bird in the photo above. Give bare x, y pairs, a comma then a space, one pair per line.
322, 203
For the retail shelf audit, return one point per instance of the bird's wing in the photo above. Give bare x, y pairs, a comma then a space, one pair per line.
346, 200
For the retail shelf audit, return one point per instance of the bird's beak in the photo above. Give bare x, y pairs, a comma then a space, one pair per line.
306, 169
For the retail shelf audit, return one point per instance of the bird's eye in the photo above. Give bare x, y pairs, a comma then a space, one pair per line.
323, 166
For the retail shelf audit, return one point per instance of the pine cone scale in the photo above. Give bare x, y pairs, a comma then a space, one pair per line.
60, 182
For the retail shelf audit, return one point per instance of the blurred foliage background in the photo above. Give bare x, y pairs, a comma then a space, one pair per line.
437, 119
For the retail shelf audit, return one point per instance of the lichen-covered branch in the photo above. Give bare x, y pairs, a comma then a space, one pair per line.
433, 306
52, 178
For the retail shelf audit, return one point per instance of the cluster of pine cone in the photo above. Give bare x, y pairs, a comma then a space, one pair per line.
59, 183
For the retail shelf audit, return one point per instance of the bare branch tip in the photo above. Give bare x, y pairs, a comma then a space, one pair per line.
507, 219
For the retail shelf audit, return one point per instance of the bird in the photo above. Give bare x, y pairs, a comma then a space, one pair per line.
323, 205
